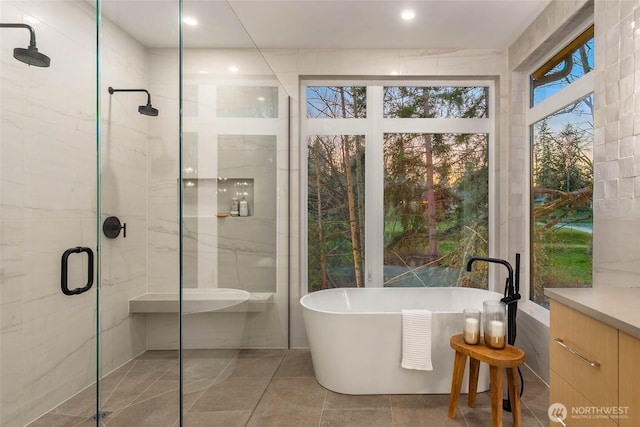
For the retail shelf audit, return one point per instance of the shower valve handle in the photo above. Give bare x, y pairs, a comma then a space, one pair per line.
112, 226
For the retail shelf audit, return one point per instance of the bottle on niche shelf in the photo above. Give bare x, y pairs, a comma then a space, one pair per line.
244, 207
234, 207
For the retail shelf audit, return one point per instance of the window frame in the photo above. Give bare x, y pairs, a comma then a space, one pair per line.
373, 127
584, 86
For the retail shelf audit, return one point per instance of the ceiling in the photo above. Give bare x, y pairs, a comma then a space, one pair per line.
439, 24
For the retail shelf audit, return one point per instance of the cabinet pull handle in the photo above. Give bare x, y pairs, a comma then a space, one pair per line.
593, 364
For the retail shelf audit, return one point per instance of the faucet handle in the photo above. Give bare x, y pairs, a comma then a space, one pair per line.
511, 299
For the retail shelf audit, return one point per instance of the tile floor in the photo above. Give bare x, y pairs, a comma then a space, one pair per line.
261, 388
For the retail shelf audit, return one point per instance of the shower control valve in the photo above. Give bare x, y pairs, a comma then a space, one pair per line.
112, 226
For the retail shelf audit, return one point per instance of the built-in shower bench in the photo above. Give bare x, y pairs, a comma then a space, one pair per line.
202, 301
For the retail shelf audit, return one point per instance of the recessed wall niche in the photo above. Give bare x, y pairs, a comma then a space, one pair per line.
235, 188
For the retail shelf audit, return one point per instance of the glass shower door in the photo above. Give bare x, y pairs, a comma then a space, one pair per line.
47, 212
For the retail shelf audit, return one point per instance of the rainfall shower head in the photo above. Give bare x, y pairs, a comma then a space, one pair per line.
30, 55
148, 109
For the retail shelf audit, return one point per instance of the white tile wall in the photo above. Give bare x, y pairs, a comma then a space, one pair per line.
616, 204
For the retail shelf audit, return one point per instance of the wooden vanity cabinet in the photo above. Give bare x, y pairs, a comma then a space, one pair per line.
593, 365
563, 392
629, 380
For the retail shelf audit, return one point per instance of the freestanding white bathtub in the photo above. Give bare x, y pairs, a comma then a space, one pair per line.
355, 337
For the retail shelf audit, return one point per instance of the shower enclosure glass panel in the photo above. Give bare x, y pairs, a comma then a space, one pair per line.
234, 224
139, 139
47, 207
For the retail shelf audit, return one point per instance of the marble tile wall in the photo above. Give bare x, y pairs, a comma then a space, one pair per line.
163, 273
48, 204
124, 161
247, 247
232, 252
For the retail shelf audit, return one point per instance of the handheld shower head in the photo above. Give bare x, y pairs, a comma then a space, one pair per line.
148, 109
30, 55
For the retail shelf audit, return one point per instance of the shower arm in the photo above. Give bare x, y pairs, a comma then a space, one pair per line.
32, 41
112, 90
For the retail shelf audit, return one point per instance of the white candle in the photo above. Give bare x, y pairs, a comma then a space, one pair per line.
497, 328
471, 330
471, 325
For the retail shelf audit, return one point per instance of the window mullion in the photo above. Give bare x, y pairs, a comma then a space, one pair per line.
576, 90
374, 189
436, 125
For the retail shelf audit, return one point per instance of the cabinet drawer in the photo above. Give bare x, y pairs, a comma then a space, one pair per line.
585, 339
562, 392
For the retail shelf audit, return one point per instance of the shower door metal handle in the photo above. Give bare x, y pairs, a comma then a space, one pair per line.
64, 279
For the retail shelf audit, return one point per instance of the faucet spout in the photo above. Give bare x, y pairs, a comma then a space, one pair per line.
495, 261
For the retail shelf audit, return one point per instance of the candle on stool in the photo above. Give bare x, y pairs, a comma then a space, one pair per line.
496, 333
497, 328
471, 330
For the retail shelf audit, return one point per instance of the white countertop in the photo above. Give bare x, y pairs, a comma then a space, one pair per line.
616, 307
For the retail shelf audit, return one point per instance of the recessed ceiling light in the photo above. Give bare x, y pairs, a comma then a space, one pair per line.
394, 73
233, 68
204, 72
188, 20
261, 98
408, 14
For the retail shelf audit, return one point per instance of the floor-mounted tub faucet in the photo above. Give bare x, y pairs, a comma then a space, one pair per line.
511, 297
511, 291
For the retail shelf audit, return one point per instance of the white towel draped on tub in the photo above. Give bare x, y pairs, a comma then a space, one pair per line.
416, 340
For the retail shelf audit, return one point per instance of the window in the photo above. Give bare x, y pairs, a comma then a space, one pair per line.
567, 66
397, 183
336, 211
436, 200
561, 130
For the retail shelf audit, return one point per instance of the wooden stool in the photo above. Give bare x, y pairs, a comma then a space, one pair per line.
509, 357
